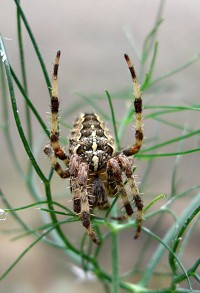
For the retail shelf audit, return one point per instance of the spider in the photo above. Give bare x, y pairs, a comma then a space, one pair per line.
95, 169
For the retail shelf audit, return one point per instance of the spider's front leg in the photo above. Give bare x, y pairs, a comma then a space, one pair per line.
79, 182
121, 163
53, 150
138, 112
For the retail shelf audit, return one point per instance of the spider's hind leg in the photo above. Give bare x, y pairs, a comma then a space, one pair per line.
115, 172
127, 168
79, 182
85, 207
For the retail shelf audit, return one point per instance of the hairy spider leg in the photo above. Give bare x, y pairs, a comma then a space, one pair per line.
115, 172
138, 112
82, 197
127, 168
73, 168
54, 150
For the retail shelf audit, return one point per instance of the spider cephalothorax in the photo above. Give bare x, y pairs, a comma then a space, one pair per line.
94, 168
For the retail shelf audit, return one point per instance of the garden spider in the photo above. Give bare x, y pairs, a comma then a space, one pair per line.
95, 169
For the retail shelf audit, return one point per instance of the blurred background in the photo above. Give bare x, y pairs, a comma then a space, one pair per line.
93, 36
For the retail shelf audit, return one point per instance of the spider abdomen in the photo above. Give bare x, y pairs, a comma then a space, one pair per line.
92, 141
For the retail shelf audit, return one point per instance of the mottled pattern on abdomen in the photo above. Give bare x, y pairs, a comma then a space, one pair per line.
91, 140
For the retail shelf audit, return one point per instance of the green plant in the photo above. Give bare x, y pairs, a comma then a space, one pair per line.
85, 255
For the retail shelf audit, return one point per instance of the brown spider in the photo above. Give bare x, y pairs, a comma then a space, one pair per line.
95, 169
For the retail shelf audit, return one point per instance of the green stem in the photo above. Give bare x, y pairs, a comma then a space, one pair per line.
172, 260
28, 102
167, 239
169, 74
167, 154
191, 272
23, 253
6, 125
23, 73
183, 137
113, 120
20, 11
115, 262
16, 114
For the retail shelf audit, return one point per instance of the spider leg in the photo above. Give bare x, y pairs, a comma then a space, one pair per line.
54, 137
115, 171
50, 153
73, 167
127, 168
138, 112
54, 151
82, 180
